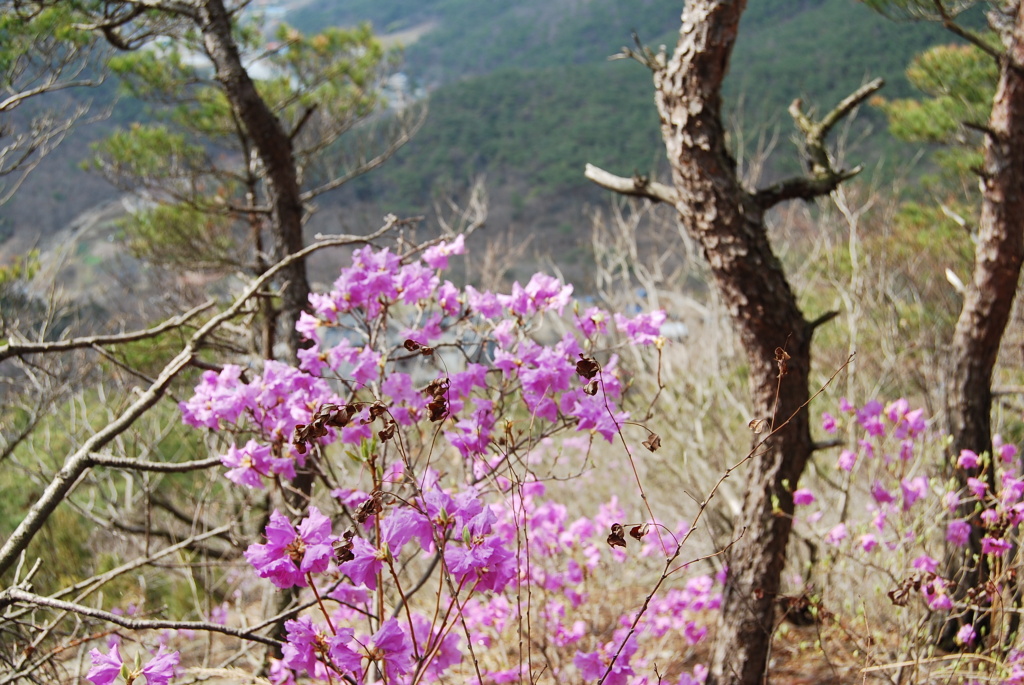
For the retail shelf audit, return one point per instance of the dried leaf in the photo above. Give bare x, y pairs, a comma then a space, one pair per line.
437, 387
590, 388
900, 596
326, 416
343, 548
617, 537
782, 358
411, 345
757, 426
387, 432
438, 409
587, 367
653, 442
373, 505
638, 532
427, 351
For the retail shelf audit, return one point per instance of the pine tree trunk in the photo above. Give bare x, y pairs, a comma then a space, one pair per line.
274, 147
989, 297
724, 217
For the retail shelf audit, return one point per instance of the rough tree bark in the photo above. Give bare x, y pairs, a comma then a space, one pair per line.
274, 147
988, 300
728, 221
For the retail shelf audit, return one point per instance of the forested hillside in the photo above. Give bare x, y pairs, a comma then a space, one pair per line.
529, 106
524, 94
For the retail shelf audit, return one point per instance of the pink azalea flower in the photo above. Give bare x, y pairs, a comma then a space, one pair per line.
847, 460
1007, 452
828, 422
390, 647
307, 647
881, 495
836, 535
288, 555
644, 329
925, 563
105, 667
803, 496
592, 665
593, 320
977, 487
913, 489
868, 542
448, 299
958, 532
896, 409
967, 459
248, 465
966, 635
1013, 489
160, 669
437, 255
935, 596
484, 303
995, 546
367, 563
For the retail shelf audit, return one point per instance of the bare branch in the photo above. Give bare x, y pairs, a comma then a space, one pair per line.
15, 595
113, 462
363, 165
639, 186
655, 61
823, 178
17, 349
949, 23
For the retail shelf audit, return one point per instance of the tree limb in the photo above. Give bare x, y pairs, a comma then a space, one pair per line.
15, 349
15, 595
155, 466
638, 186
950, 25
823, 178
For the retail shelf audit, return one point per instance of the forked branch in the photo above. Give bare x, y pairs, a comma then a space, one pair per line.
823, 178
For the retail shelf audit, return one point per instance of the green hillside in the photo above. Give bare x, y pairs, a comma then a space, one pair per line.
528, 92
543, 125
471, 37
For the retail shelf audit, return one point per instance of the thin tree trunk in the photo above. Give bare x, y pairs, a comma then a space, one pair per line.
989, 297
274, 148
729, 223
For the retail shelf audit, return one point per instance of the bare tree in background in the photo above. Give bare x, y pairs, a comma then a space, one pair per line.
728, 221
39, 54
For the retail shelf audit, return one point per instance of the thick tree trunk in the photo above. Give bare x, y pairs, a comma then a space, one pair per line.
989, 297
729, 223
274, 148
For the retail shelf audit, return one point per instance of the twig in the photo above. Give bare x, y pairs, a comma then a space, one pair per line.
14, 349
14, 595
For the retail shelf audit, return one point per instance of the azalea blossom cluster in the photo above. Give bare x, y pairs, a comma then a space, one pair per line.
917, 509
444, 405
383, 313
